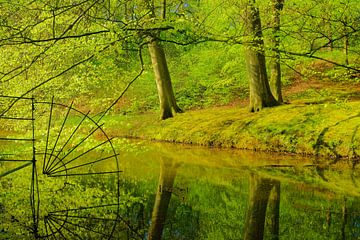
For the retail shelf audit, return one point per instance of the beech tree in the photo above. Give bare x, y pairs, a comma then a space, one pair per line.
96, 26
313, 27
74, 47
166, 95
275, 76
260, 93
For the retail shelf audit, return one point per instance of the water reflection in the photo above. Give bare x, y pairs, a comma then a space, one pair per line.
259, 199
178, 192
230, 198
165, 188
274, 210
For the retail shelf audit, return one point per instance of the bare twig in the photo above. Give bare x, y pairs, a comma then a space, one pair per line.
128, 85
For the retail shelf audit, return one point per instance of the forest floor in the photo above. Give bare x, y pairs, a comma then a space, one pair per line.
320, 117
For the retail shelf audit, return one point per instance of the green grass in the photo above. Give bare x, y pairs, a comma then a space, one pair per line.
329, 129
322, 117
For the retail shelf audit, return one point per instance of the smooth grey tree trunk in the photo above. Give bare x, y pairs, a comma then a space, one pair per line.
167, 100
275, 66
162, 78
260, 93
346, 49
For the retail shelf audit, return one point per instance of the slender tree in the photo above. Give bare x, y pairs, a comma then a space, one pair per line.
275, 77
260, 93
166, 94
163, 80
346, 40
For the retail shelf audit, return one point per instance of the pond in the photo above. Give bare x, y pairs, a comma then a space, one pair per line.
173, 191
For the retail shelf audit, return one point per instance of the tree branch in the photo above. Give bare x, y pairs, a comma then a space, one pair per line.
31, 41
128, 85
52, 78
310, 55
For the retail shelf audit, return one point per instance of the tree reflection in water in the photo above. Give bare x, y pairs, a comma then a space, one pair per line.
168, 170
264, 192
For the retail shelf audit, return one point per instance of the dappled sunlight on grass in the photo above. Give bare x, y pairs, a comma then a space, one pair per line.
325, 129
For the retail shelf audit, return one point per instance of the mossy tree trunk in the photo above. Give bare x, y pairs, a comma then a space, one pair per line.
163, 196
346, 41
346, 49
168, 104
161, 74
260, 93
275, 66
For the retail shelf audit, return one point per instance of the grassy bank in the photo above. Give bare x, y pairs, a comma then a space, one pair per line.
327, 129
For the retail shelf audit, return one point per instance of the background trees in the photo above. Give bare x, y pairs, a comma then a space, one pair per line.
91, 51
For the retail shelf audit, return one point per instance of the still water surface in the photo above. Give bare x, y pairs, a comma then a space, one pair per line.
172, 191
201, 193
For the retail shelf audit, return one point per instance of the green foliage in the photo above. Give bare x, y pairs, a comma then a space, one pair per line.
209, 77
42, 40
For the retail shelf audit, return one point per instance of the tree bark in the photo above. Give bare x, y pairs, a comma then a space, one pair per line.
162, 199
275, 77
166, 94
162, 77
346, 40
258, 199
260, 93
346, 49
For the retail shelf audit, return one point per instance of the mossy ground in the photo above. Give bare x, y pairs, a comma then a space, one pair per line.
329, 129
321, 116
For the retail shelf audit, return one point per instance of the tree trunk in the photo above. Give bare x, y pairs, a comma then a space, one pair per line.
275, 77
346, 40
163, 81
162, 76
162, 200
327, 26
260, 93
258, 199
346, 49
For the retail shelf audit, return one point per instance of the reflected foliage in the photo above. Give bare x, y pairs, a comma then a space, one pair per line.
191, 196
